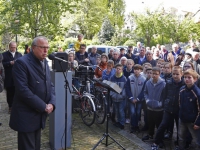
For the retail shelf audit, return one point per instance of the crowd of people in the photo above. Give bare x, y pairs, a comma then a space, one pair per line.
163, 83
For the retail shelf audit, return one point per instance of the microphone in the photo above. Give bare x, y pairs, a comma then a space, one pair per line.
53, 57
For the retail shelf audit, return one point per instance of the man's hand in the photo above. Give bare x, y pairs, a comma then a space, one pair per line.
49, 108
86, 60
12, 62
196, 127
134, 101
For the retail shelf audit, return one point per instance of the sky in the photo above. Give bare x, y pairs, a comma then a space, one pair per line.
139, 5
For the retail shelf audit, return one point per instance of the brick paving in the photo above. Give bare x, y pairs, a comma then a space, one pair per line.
83, 137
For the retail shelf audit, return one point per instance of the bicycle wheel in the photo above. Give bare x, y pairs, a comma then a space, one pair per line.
87, 111
100, 109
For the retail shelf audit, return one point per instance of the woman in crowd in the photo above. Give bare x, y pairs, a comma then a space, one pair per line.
103, 65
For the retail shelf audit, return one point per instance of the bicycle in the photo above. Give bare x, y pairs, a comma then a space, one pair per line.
89, 88
87, 107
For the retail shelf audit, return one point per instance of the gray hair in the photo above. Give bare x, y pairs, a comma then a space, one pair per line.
35, 40
94, 47
12, 42
111, 49
149, 52
122, 58
116, 51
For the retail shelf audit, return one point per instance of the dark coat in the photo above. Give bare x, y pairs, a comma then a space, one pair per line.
81, 58
7, 57
137, 60
152, 62
189, 104
33, 91
171, 96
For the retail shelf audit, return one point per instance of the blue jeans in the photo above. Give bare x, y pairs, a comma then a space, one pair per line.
182, 133
119, 110
127, 109
76, 83
135, 111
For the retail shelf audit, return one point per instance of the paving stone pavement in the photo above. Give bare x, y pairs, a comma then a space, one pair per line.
83, 137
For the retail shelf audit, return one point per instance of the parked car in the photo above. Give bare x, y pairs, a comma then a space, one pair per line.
100, 48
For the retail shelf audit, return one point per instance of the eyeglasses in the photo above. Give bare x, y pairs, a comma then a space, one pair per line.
42, 47
155, 74
187, 66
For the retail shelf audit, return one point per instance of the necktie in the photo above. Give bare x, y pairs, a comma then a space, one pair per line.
43, 66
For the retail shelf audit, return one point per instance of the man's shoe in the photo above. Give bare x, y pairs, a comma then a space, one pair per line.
147, 137
168, 136
154, 147
0, 124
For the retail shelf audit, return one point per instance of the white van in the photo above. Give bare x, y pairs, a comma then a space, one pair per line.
100, 48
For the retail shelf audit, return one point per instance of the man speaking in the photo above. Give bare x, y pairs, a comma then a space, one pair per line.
34, 96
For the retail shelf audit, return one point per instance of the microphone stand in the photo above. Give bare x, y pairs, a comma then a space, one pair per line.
66, 88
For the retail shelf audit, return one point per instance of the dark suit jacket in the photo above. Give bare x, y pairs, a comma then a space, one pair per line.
33, 90
7, 57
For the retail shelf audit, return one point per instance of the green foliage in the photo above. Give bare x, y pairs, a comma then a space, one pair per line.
31, 18
130, 43
161, 27
106, 32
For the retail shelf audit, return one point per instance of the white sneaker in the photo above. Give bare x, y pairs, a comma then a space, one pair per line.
127, 121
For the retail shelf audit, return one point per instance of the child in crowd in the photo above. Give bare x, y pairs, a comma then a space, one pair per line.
127, 72
145, 65
141, 98
119, 99
152, 93
189, 103
159, 62
171, 105
134, 86
110, 71
162, 72
129, 68
168, 71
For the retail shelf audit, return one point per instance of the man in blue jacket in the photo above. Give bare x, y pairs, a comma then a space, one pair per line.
34, 97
